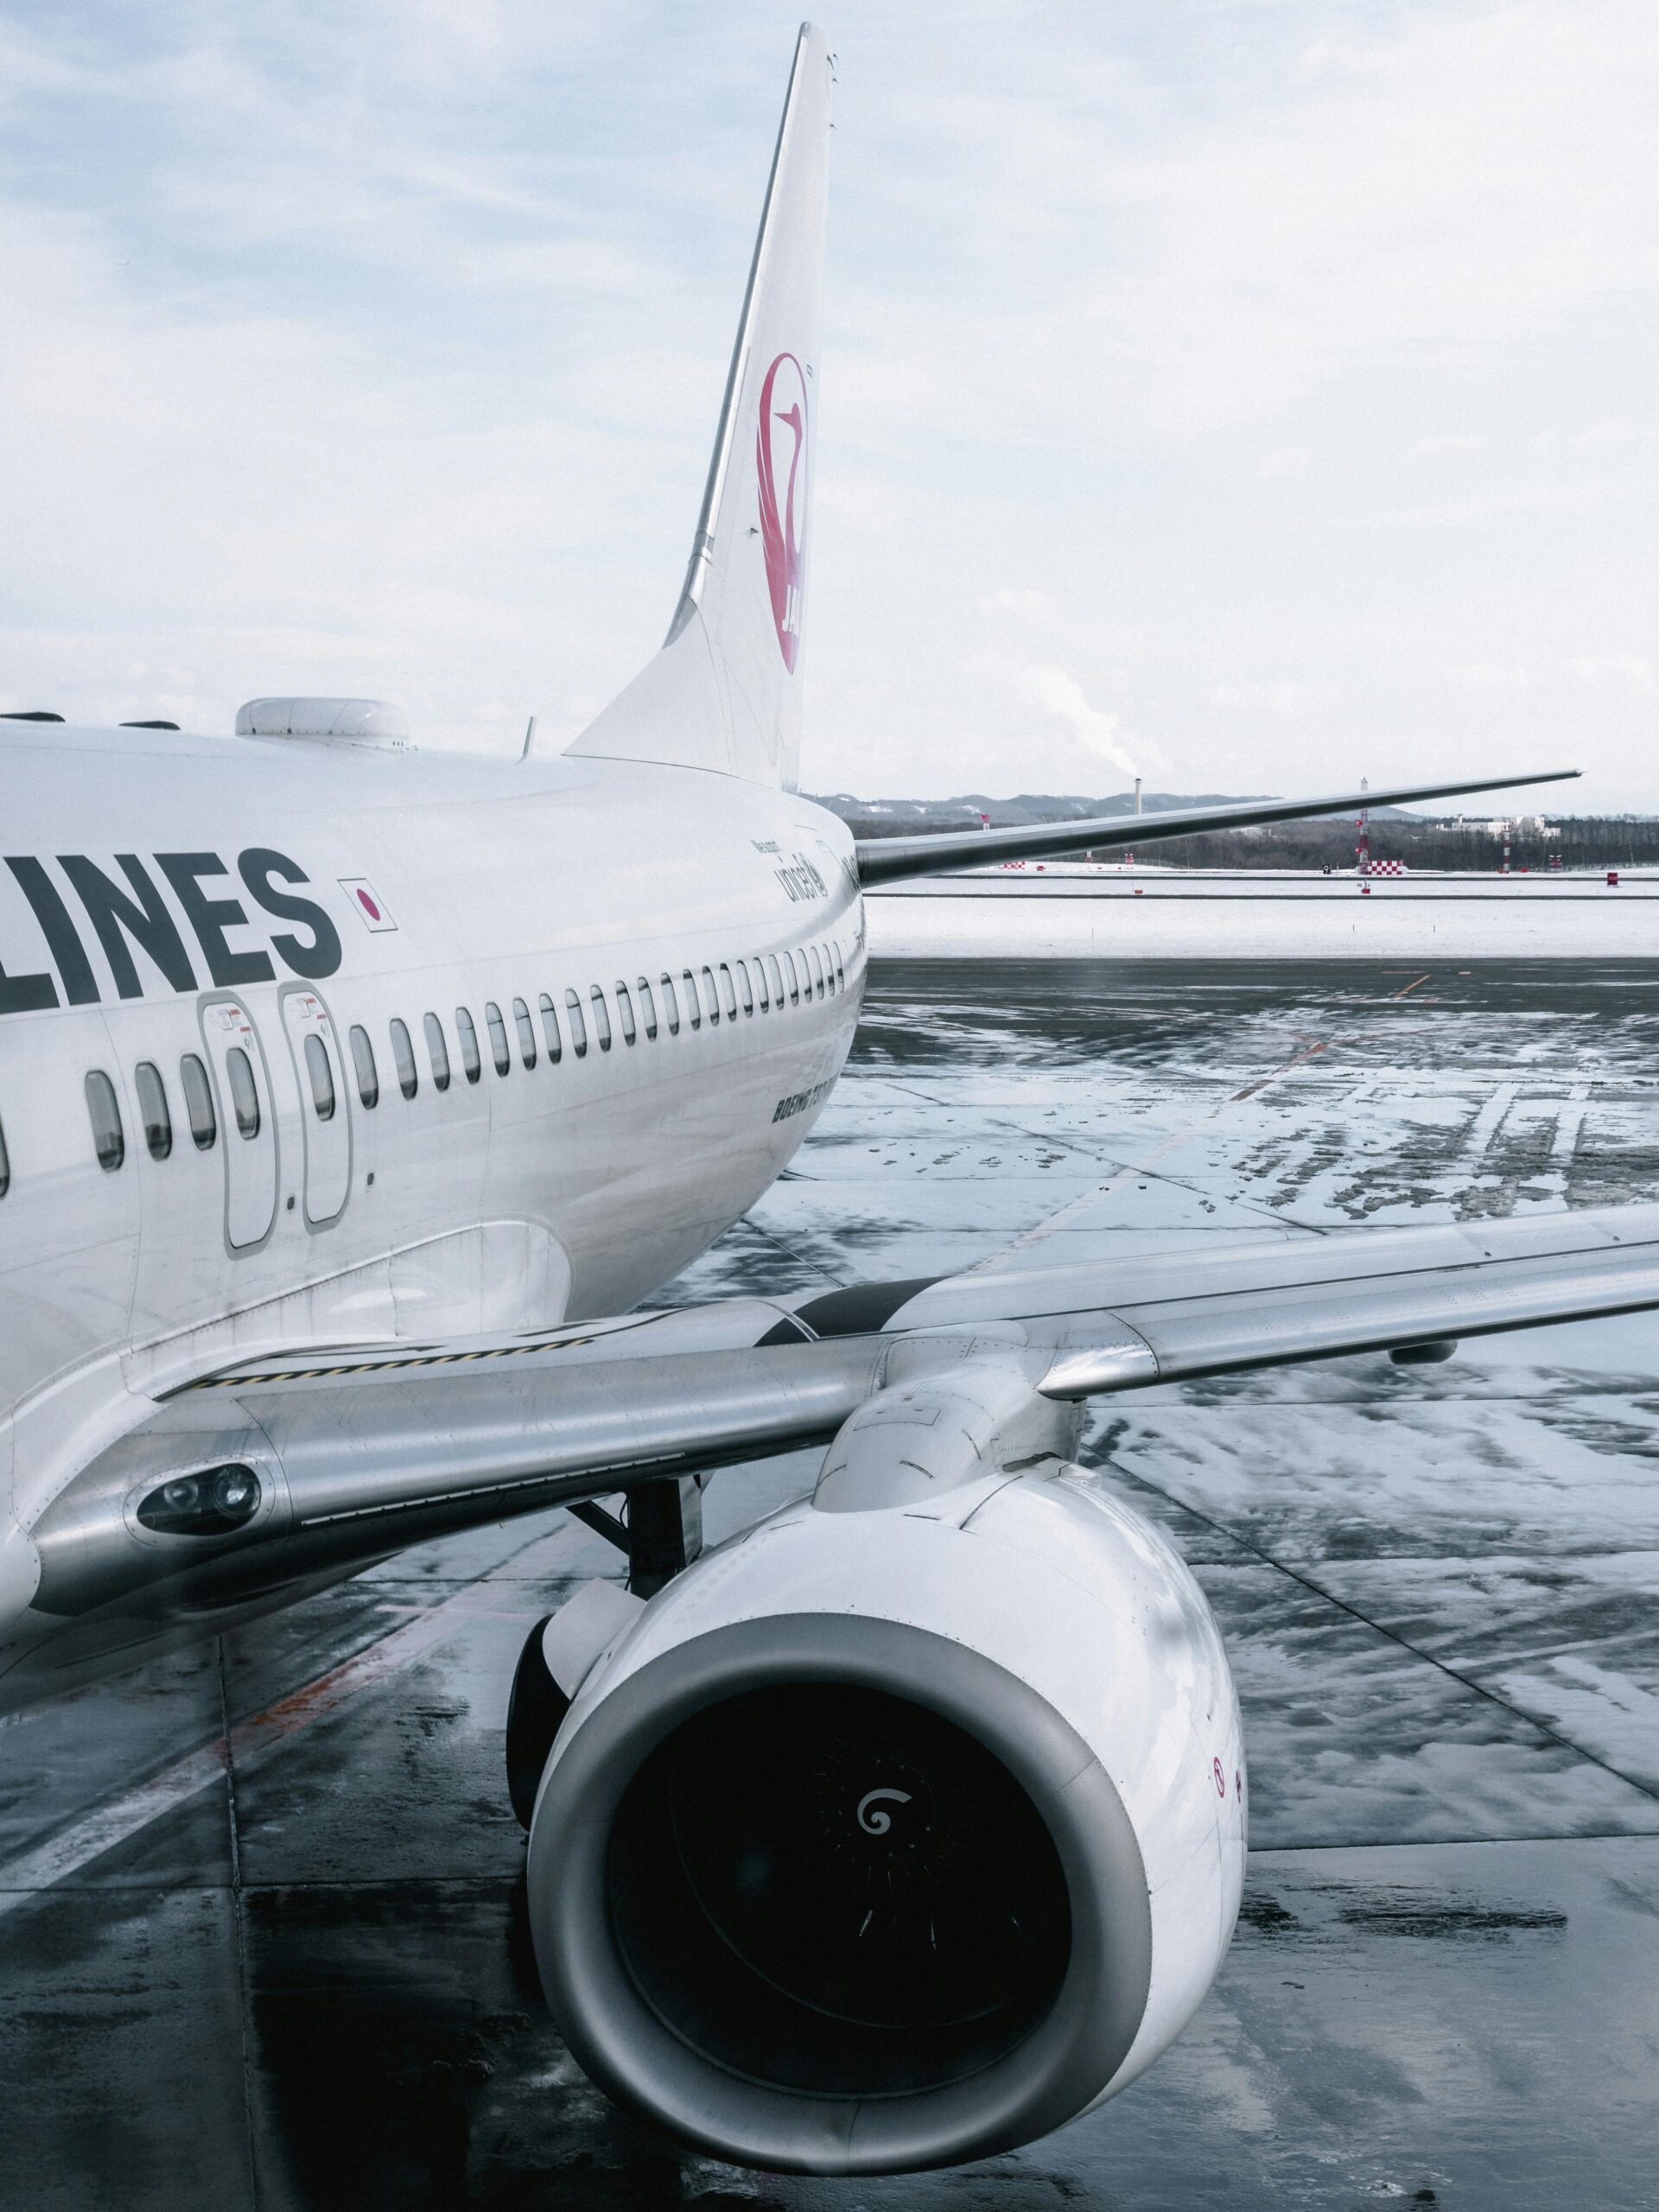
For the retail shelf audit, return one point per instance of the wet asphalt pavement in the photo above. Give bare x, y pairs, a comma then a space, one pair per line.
260, 1904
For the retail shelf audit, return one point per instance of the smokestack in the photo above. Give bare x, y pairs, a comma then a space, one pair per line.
1137, 794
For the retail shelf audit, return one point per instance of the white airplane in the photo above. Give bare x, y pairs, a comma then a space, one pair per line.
352, 1098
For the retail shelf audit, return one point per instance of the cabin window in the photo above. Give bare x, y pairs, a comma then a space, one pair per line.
245, 1093
322, 1078
368, 1076
817, 968
499, 1050
693, 1011
777, 975
577, 1027
647, 1006
728, 992
625, 1011
198, 1102
671, 1006
108, 1138
467, 1034
437, 1050
794, 983
527, 1028
152, 1109
403, 1055
711, 996
363, 1066
549, 1014
841, 968
5, 1166
601, 1018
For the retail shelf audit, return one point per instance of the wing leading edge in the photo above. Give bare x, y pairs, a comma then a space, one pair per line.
889, 859
355, 1456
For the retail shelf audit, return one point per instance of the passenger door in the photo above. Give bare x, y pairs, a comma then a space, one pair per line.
325, 1104
249, 1116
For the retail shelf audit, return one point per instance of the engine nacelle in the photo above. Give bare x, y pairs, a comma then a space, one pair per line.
887, 1838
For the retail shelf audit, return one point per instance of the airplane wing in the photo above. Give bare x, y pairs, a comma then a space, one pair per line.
338, 1460
888, 859
950, 1542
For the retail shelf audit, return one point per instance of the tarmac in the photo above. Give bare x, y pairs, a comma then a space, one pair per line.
261, 1904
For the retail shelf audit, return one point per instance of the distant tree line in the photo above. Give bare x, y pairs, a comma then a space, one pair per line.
1578, 841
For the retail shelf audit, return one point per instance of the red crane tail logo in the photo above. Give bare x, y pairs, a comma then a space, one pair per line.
780, 452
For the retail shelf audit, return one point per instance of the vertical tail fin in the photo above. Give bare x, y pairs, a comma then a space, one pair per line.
724, 693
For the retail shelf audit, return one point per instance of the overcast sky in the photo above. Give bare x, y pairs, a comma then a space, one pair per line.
1252, 394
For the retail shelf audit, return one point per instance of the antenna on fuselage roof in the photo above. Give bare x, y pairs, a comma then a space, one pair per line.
725, 691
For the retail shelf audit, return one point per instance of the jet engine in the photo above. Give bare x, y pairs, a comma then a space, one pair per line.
890, 1835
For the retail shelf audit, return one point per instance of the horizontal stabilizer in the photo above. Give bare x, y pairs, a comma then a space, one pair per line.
888, 859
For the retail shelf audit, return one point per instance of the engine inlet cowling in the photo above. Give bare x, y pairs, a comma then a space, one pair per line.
881, 1842
860, 1898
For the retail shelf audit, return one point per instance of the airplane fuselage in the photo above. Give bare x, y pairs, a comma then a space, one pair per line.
602, 1002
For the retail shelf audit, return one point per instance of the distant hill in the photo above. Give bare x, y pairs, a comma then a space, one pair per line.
893, 817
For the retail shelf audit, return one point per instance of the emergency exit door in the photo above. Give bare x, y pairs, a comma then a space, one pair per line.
247, 1112
325, 1105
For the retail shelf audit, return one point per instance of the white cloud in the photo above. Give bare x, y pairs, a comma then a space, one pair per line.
1616, 668
1284, 696
1284, 461
1490, 676
1465, 182
380, 351
1456, 441
1601, 435
1022, 609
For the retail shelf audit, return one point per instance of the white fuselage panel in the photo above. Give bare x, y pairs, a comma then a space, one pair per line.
352, 946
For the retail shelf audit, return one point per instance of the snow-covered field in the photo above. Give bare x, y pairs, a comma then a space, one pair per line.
1071, 910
